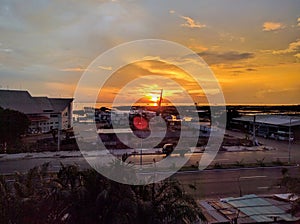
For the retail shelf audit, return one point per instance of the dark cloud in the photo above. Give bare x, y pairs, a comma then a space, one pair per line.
237, 72
212, 57
244, 71
251, 70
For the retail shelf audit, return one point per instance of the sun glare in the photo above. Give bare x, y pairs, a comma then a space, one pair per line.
153, 97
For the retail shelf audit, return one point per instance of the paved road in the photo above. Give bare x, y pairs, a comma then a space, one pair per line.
233, 182
209, 183
23, 165
280, 153
244, 157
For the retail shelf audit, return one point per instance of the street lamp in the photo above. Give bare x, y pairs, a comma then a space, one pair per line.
290, 140
58, 132
254, 136
141, 125
141, 153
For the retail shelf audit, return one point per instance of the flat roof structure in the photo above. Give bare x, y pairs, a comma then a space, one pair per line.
259, 209
276, 120
247, 209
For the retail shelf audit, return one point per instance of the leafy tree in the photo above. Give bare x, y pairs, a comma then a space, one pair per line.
12, 125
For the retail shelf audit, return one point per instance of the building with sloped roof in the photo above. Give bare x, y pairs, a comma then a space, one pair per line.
44, 113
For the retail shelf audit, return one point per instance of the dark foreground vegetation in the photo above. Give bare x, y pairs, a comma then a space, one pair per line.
292, 184
74, 196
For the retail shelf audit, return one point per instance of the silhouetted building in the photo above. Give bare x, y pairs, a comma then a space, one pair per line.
44, 113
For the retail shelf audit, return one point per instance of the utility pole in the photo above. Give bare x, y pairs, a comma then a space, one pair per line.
290, 130
239, 185
58, 132
254, 138
141, 152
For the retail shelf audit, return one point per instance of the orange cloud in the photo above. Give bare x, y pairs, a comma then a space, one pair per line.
189, 22
109, 68
293, 47
78, 69
272, 26
142, 79
198, 48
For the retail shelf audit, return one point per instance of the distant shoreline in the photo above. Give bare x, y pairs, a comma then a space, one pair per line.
91, 104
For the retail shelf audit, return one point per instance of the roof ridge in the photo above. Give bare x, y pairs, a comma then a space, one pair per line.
23, 101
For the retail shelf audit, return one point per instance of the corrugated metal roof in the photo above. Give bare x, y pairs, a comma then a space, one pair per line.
259, 209
272, 120
213, 212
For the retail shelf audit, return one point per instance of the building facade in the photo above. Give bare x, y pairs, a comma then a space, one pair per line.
45, 114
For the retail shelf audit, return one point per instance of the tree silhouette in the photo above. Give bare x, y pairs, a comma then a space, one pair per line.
12, 125
292, 184
75, 196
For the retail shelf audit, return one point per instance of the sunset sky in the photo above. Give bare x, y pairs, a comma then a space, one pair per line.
253, 47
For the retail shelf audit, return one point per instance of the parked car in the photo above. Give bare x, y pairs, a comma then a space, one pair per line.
282, 135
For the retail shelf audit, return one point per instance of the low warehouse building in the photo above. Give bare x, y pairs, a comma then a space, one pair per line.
270, 126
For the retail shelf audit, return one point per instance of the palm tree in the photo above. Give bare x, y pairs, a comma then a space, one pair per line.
75, 196
168, 203
30, 198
